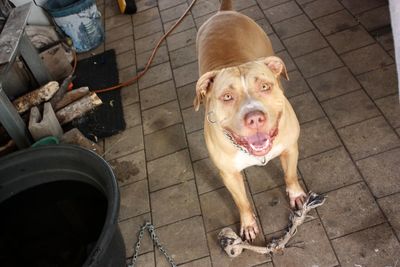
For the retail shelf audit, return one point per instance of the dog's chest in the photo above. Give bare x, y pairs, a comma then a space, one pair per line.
243, 160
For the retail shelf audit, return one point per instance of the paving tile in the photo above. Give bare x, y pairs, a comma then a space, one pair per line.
367, 58
264, 24
145, 4
390, 108
305, 43
180, 244
129, 169
170, 170
316, 137
381, 172
183, 56
146, 260
157, 95
293, 26
186, 74
306, 107
160, 57
124, 143
338, 21
317, 250
350, 108
164, 4
204, 262
329, 171
134, 200
173, 13
350, 39
202, 8
218, 209
186, 23
145, 16
296, 84
148, 28
121, 45
129, 94
385, 38
276, 43
156, 75
127, 73
207, 176
380, 82
130, 229
375, 18
354, 201
246, 259
111, 10
126, 59
197, 145
115, 21
200, 20
357, 7
186, 95
261, 178
118, 33
253, 12
376, 246
132, 115
160, 117
391, 208
267, 4
318, 62
284, 55
320, 8
147, 43
165, 141
282, 12
175, 203
333, 83
240, 5
368, 137
194, 120
181, 39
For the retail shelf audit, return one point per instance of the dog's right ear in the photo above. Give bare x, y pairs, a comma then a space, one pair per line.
203, 86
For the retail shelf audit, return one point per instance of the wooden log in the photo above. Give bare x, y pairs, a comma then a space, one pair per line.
70, 97
78, 108
74, 136
35, 97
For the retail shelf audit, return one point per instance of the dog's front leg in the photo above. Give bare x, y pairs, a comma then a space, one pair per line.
235, 184
289, 159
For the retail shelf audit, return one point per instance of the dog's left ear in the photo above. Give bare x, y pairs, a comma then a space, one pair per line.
276, 65
203, 85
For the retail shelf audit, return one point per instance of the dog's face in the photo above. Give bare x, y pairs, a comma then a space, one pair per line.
246, 101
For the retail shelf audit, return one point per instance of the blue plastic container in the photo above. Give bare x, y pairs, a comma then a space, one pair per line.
80, 20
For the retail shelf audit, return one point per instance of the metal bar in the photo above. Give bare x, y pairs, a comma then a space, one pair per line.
33, 61
12, 122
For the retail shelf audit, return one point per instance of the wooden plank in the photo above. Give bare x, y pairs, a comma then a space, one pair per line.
12, 33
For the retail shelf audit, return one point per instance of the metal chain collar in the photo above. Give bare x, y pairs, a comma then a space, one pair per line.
150, 228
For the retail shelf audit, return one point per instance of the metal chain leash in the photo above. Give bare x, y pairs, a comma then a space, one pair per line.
150, 228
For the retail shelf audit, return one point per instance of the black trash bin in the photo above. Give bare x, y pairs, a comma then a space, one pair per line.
59, 207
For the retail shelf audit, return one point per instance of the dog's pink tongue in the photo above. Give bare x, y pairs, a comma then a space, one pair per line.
257, 140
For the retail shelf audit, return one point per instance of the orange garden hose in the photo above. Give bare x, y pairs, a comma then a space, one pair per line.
150, 60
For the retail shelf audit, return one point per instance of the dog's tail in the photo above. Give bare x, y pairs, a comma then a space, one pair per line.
226, 5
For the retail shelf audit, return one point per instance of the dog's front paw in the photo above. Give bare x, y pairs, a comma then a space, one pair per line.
248, 227
296, 196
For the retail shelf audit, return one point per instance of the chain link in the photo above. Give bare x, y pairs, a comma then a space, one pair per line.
150, 228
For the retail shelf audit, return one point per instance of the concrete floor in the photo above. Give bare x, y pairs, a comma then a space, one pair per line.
343, 86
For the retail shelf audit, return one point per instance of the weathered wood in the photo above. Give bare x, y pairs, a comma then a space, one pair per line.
70, 97
74, 136
41, 36
56, 62
78, 108
36, 97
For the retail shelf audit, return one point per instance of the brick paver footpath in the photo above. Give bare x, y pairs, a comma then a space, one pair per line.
343, 86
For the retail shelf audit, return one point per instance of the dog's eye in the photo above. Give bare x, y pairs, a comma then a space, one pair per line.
265, 87
227, 97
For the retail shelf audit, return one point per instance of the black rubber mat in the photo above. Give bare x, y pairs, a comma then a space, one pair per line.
98, 72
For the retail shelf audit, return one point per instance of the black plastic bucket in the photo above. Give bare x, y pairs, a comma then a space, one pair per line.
59, 207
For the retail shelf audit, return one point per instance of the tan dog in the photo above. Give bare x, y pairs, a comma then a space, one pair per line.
248, 120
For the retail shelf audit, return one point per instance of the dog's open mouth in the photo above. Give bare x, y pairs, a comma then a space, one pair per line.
258, 144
